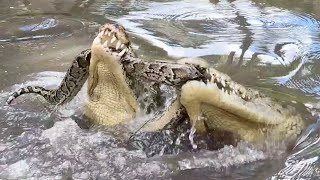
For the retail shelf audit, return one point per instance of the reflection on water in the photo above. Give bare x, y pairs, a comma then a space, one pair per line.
37, 27
270, 45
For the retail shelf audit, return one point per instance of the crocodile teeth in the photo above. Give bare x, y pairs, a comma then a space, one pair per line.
216, 85
231, 85
105, 44
107, 49
122, 46
223, 83
122, 52
113, 39
242, 89
100, 33
236, 87
118, 45
222, 78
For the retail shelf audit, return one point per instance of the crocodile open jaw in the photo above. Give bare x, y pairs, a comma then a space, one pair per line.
202, 91
111, 99
115, 39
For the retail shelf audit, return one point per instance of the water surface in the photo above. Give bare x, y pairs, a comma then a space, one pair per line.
270, 45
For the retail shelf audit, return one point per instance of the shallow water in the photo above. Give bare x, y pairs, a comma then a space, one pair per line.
270, 45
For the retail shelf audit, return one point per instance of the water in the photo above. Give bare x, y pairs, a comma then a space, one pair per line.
270, 45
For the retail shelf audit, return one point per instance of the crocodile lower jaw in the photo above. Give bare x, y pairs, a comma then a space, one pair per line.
111, 101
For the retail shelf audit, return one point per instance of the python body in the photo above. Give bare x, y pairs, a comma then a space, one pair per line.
114, 70
71, 84
212, 100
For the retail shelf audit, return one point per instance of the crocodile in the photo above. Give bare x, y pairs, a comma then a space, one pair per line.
213, 101
210, 99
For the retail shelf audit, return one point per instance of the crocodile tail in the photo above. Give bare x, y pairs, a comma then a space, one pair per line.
30, 89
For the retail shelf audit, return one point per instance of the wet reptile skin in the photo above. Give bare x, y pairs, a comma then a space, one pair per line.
158, 72
71, 84
115, 73
134, 68
212, 100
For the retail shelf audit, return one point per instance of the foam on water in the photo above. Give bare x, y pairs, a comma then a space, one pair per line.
191, 137
67, 150
64, 150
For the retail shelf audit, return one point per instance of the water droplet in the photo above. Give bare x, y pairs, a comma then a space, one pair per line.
191, 136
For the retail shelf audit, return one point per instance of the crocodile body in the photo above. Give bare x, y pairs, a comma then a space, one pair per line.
211, 100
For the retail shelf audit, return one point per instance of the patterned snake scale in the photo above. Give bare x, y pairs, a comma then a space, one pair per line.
160, 72
173, 74
71, 84
202, 91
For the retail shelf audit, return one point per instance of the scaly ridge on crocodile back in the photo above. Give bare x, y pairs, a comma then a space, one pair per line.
227, 105
71, 84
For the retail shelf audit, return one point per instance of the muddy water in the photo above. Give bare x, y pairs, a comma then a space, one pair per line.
270, 45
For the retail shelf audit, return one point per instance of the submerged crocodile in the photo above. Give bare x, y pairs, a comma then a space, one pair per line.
211, 99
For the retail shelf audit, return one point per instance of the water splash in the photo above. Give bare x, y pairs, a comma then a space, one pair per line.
191, 137
218, 34
305, 161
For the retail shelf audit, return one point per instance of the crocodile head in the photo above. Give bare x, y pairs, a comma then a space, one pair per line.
111, 101
223, 104
114, 39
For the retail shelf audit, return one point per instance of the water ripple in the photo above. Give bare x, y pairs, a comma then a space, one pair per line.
21, 28
305, 161
183, 29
